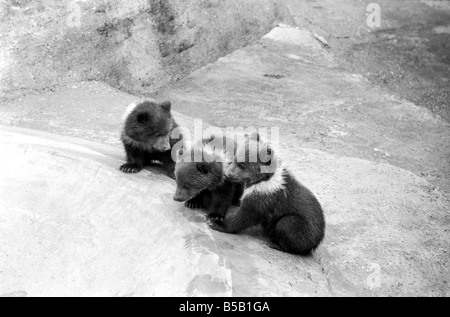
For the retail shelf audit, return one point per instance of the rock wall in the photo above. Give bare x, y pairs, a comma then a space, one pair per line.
136, 46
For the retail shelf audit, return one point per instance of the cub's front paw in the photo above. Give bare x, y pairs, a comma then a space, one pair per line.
194, 203
130, 168
216, 218
217, 224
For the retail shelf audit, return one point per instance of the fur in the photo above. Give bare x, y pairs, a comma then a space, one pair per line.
146, 136
203, 184
143, 146
272, 185
288, 211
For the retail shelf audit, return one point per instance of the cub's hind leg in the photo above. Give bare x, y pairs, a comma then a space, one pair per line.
293, 234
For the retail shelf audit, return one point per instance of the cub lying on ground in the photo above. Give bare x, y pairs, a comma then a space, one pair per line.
203, 184
289, 213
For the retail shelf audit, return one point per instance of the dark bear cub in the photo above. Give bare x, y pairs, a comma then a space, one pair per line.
289, 213
202, 184
147, 136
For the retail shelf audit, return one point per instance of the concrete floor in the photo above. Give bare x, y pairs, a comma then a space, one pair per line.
378, 164
408, 55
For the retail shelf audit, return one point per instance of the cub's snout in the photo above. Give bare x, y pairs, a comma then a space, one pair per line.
181, 195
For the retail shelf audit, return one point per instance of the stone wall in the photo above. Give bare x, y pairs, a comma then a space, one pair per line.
137, 46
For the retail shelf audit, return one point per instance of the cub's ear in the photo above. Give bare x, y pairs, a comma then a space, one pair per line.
203, 168
166, 105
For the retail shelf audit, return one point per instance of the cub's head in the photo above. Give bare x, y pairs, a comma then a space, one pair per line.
255, 161
194, 177
151, 123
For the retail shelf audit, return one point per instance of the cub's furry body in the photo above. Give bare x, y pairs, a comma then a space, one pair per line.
203, 184
147, 137
289, 212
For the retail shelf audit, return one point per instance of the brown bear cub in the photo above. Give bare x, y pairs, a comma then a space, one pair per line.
147, 136
289, 213
201, 182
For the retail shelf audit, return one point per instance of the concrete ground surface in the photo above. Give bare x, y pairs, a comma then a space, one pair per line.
96, 241
409, 54
378, 164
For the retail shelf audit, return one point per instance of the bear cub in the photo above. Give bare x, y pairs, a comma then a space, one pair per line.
202, 184
289, 212
146, 136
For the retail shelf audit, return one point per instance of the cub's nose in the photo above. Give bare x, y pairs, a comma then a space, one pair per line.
178, 198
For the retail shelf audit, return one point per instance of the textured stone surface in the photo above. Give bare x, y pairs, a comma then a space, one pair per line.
133, 45
71, 224
408, 55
